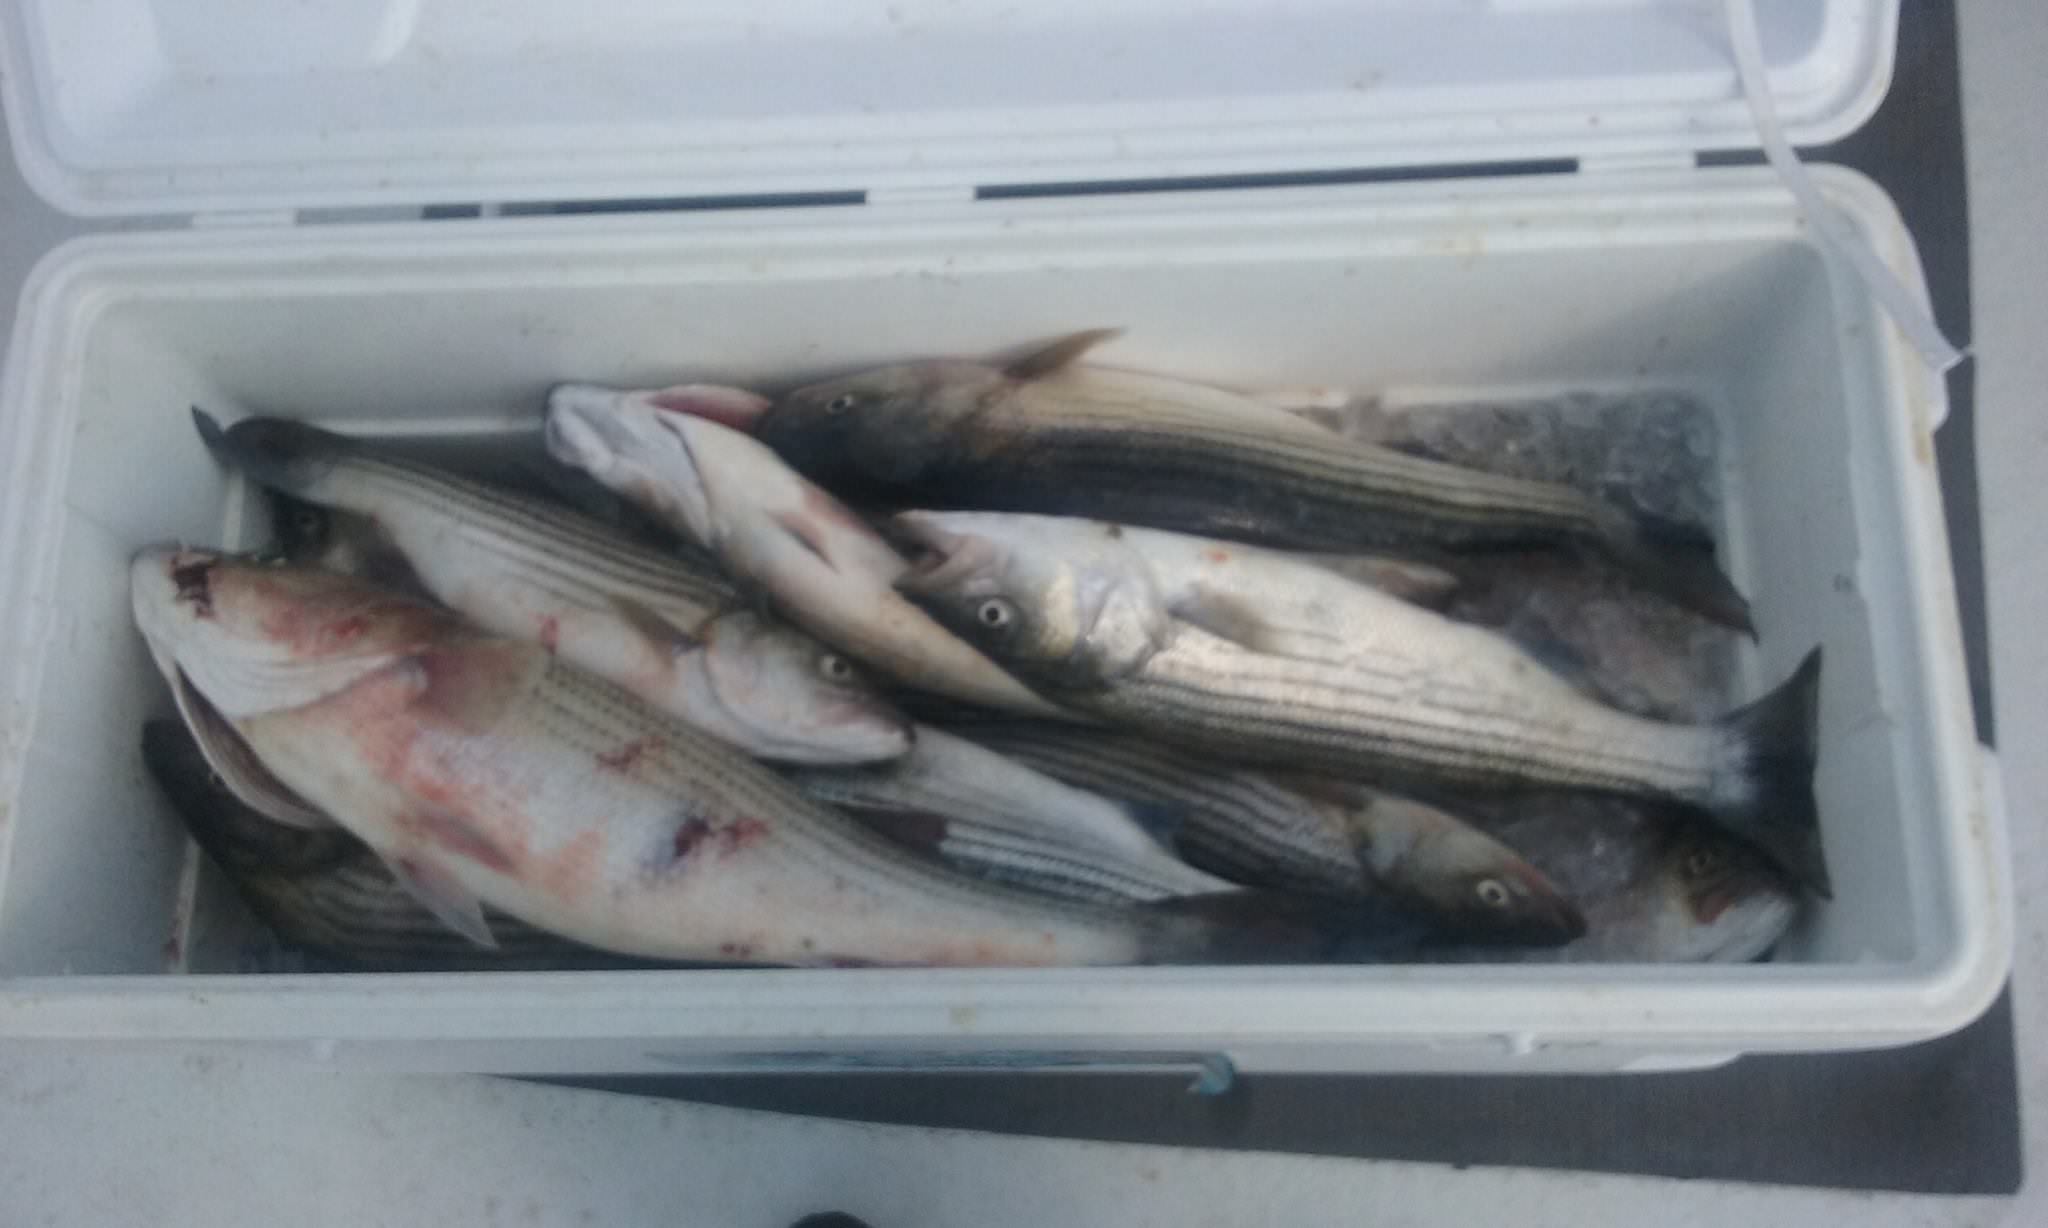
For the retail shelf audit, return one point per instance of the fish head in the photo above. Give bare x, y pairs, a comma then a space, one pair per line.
261, 636
782, 695
304, 532
277, 452
1715, 900
668, 450
1071, 620
1465, 880
235, 835
879, 429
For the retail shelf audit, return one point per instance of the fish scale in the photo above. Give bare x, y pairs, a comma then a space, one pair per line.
1233, 821
1312, 716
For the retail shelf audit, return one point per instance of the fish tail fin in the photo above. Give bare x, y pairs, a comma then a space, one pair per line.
1769, 802
277, 452
1676, 560
1263, 927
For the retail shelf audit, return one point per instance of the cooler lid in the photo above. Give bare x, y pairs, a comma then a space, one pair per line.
180, 106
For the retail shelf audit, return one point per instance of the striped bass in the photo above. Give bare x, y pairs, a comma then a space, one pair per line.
1000, 818
1389, 690
674, 633
1047, 434
826, 570
488, 771
324, 893
1315, 837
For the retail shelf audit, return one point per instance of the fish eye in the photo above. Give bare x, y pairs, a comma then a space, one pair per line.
841, 403
835, 668
1702, 861
306, 521
1493, 893
995, 614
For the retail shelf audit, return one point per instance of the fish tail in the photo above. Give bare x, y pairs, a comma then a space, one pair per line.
1262, 927
1769, 802
1676, 561
276, 452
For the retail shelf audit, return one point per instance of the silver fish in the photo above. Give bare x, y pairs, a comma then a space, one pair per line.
1277, 602
1653, 892
677, 636
824, 567
323, 892
486, 771
999, 818
1320, 838
1045, 434
1404, 693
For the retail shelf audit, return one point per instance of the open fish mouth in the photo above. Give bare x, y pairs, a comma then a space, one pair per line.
168, 585
940, 560
629, 444
584, 429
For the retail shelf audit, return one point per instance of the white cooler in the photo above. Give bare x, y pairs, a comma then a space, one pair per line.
840, 183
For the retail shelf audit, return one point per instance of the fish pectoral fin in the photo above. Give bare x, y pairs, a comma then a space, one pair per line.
803, 533
438, 891
234, 761
654, 627
1417, 583
1055, 355
1230, 617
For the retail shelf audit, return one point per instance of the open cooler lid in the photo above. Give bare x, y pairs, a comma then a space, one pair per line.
182, 106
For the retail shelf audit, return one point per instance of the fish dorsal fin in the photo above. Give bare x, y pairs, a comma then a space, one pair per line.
1413, 581
1055, 355
235, 762
653, 626
454, 905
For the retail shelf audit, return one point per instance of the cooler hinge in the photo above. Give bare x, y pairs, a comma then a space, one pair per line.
244, 217
1657, 160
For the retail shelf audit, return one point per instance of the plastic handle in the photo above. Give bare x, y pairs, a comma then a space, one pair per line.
1834, 230
1212, 1074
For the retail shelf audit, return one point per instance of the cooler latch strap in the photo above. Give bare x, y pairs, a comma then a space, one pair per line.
1912, 316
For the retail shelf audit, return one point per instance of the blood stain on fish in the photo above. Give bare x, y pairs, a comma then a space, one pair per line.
195, 586
692, 833
623, 759
740, 833
550, 632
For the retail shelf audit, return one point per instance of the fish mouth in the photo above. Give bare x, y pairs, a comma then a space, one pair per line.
730, 407
940, 560
835, 734
583, 428
631, 447
164, 580
1548, 916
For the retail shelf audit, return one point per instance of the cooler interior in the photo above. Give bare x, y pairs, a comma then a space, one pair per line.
457, 329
